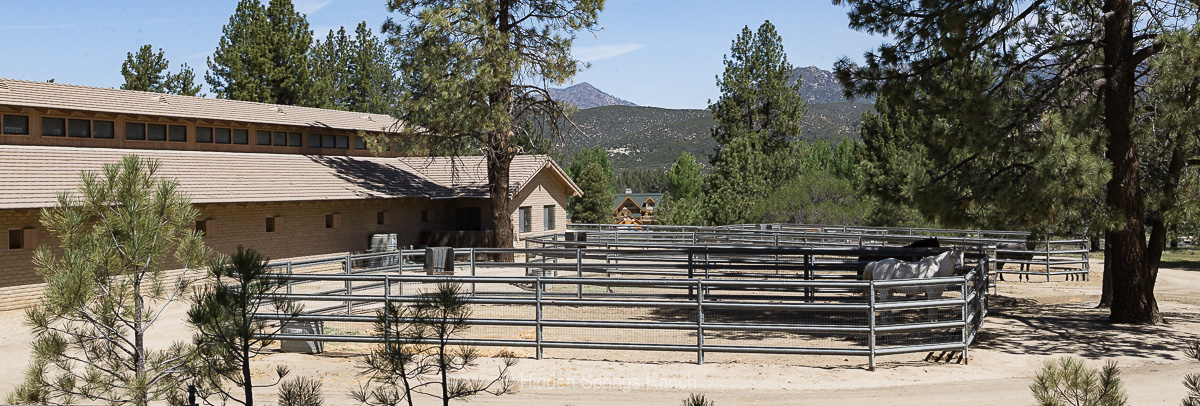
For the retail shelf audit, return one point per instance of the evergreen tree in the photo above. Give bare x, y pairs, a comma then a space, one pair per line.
685, 193
147, 72
263, 56
1042, 100
475, 71
757, 116
108, 287
357, 74
592, 171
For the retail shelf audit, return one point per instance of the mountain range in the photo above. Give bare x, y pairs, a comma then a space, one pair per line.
643, 137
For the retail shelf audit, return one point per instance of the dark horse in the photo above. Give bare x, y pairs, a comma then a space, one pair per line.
931, 242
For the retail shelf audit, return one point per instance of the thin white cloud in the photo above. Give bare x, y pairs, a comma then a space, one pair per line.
599, 52
308, 7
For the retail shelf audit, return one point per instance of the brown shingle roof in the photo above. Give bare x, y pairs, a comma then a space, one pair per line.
32, 175
24, 93
468, 174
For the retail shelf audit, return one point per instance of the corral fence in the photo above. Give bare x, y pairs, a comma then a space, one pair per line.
732, 299
1015, 252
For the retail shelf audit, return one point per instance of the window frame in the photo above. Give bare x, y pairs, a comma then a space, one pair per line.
112, 130
63, 127
4, 124
548, 219
525, 218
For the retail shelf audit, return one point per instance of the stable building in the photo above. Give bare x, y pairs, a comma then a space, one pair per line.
287, 181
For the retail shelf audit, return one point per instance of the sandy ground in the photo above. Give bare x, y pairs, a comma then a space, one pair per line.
1029, 323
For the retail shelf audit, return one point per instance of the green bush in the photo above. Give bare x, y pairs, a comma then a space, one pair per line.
1067, 381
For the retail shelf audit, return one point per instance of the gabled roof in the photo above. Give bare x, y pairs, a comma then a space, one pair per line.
31, 176
638, 197
44, 95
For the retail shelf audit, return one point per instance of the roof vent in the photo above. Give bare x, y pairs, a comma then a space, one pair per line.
369, 118
279, 110
162, 99
3, 85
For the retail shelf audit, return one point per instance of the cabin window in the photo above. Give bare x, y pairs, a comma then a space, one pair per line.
295, 140
222, 136
548, 217
381, 218
204, 134
135, 131
156, 132
14, 124
343, 142
526, 212
314, 140
54, 127
178, 133
79, 128
16, 239
332, 220
241, 136
202, 227
271, 224
327, 141
102, 129
360, 143
280, 138
263, 137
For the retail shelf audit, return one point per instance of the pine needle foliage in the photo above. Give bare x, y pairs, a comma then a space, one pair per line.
107, 286
1192, 381
227, 334
417, 357
301, 392
1068, 382
147, 71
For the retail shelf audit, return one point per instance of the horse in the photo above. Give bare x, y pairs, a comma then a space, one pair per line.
946, 264
1018, 256
931, 242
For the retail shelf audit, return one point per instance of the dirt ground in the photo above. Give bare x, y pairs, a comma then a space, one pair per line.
1029, 323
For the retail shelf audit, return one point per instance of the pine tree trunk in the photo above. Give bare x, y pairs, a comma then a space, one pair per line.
499, 161
1128, 265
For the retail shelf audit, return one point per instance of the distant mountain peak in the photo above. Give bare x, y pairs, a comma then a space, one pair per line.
821, 86
585, 96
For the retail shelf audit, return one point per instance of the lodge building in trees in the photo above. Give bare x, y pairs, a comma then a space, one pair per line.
287, 181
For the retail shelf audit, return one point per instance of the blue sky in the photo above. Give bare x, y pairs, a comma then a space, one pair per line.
651, 52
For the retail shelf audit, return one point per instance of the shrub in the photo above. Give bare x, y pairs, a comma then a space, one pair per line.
1067, 381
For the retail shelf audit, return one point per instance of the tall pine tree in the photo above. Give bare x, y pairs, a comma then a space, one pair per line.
357, 74
757, 116
147, 71
263, 56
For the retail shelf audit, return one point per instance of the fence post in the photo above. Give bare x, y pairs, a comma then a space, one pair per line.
472, 254
965, 311
289, 281
579, 272
349, 288
387, 320
537, 288
1047, 259
871, 324
700, 321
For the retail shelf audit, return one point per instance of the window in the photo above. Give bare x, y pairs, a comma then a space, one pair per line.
280, 138
314, 140
271, 224
102, 129
332, 220
22, 238
526, 221
381, 217
178, 133
79, 128
548, 217
221, 136
16, 239
343, 142
156, 132
241, 136
202, 227
54, 127
205, 134
327, 141
263, 137
425, 216
14, 124
135, 131
360, 143
295, 140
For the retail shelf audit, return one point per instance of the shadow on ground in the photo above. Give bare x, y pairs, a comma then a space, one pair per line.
1076, 328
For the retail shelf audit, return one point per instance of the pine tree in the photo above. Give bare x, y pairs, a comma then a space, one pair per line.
1042, 100
357, 74
109, 287
757, 116
592, 171
685, 193
475, 71
263, 56
147, 71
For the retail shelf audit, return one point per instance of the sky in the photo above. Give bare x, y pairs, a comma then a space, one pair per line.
662, 53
